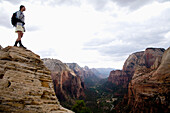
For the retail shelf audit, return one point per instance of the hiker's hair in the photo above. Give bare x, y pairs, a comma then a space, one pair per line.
21, 7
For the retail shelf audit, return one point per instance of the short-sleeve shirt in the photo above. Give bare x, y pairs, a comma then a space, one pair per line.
20, 15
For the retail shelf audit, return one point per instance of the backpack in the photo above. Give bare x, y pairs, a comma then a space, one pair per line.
14, 19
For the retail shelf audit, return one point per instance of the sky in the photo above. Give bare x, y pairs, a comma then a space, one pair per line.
95, 33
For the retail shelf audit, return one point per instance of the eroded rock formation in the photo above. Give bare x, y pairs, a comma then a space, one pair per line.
149, 90
67, 84
25, 83
145, 58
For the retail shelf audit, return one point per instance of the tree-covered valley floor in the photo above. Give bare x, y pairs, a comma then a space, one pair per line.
101, 97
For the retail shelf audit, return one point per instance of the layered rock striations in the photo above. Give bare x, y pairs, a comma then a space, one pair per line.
122, 77
25, 84
67, 84
145, 58
118, 77
149, 89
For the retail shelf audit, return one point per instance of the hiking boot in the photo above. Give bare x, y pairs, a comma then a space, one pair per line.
20, 43
22, 46
16, 42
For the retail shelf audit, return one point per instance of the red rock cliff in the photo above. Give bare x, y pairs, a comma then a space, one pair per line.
148, 91
67, 84
145, 58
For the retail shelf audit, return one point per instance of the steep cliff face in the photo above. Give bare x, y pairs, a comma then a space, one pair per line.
123, 77
86, 74
25, 83
118, 77
145, 58
67, 84
132, 62
148, 91
77, 69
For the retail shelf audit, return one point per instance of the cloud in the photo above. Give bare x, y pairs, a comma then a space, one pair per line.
32, 28
97, 4
58, 2
131, 37
49, 2
5, 19
130, 4
66, 2
15, 2
47, 53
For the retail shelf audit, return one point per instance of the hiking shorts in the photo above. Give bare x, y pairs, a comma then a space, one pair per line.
20, 28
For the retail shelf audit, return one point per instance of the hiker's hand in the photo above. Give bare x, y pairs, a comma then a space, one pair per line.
23, 23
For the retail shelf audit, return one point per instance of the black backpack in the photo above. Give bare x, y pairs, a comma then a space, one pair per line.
14, 19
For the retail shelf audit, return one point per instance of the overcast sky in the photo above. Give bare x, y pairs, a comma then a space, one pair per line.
96, 33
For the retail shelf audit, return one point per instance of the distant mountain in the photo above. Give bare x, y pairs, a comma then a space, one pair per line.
102, 72
87, 75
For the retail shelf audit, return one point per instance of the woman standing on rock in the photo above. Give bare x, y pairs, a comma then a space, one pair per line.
20, 25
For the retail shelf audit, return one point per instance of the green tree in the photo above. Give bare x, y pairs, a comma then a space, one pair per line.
80, 107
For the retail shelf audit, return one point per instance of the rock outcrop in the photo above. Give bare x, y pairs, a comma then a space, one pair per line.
25, 84
145, 58
123, 77
119, 77
148, 91
67, 84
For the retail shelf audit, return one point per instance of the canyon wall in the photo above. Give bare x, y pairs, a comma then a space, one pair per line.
144, 58
67, 83
148, 90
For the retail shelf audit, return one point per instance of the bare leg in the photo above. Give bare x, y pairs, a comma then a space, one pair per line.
20, 35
